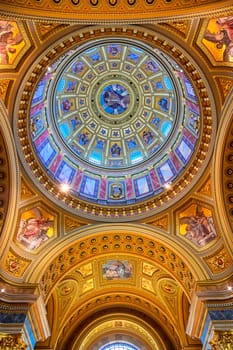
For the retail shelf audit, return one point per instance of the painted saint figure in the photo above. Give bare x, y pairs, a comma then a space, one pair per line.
115, 150
199, 227
117, 98
83, 138
33, 231
8, 41
115, 269
223, 37
66, 105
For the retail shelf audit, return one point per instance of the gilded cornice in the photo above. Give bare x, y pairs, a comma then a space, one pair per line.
112, 11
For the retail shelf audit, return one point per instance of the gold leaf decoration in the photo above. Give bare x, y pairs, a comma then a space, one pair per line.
85, 270
72, 224
219, 261
45, 30
4, 86
148, 269
15, 264
180, 27
12, 341
206, 188
147, 284
161, 222
87, 285
26, 192
225, 86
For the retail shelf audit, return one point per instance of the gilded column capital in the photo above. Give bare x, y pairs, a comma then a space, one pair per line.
12, 342
22, 312
222, 340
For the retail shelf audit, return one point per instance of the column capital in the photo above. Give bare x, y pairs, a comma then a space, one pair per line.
222, 340
12, 342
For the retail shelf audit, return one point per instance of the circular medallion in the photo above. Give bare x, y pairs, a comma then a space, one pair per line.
114, 99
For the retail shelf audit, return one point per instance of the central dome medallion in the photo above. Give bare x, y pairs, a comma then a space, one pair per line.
115, 104
114, 99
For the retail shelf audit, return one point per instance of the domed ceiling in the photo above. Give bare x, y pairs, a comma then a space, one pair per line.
118, 121
125, 118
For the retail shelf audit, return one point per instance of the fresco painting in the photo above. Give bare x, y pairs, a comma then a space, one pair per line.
196, 224
36, 227
11, 42
218, 38
116, 269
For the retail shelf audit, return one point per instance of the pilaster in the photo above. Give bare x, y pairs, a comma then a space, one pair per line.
211, 314
23, 319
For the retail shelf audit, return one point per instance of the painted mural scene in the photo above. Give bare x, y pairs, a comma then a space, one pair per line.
196, 224
218, 38
116, 269
35, 228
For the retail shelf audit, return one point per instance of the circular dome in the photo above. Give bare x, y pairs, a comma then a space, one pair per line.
114, 104
118, 121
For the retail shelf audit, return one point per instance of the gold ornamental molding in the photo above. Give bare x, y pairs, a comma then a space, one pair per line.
112, 11
12, 341
222, 340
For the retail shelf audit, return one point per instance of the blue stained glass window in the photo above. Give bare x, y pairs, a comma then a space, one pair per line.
38, 94
166, 127
119, 346
65, 173
61, 85
168, 83
184, 150
46, 152
65, 130
96, 157
136, 156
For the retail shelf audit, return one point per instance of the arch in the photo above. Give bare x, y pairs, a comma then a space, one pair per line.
220, 165
150, 333
144, 241
11, 179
